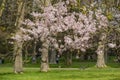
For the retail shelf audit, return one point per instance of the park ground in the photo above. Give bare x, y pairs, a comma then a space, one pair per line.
78, 71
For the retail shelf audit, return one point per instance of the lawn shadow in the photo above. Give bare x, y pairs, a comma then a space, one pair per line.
114, 65
7, 73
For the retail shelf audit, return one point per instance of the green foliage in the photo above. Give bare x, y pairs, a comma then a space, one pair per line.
109, 16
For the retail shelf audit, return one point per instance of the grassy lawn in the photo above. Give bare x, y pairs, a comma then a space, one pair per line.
33, 73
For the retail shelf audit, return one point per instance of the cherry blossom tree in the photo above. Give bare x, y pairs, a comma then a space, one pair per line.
57, 26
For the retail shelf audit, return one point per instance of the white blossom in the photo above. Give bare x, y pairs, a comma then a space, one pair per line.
111, 45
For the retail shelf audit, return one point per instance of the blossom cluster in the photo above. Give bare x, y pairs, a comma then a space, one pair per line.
76, 27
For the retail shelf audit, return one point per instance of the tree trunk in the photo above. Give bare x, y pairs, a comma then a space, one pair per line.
45, 46
26, 52
106, 54
68, 58
82, 56
34, 60
20, 13
100, 60
52, 58
44, 57
101, 51
18, 65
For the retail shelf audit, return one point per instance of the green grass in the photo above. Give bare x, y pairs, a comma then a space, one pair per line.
6, 73
86, 70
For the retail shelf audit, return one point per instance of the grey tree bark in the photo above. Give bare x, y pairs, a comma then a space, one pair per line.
68, 58
52, 58
101, 52
18, 64
44, 57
